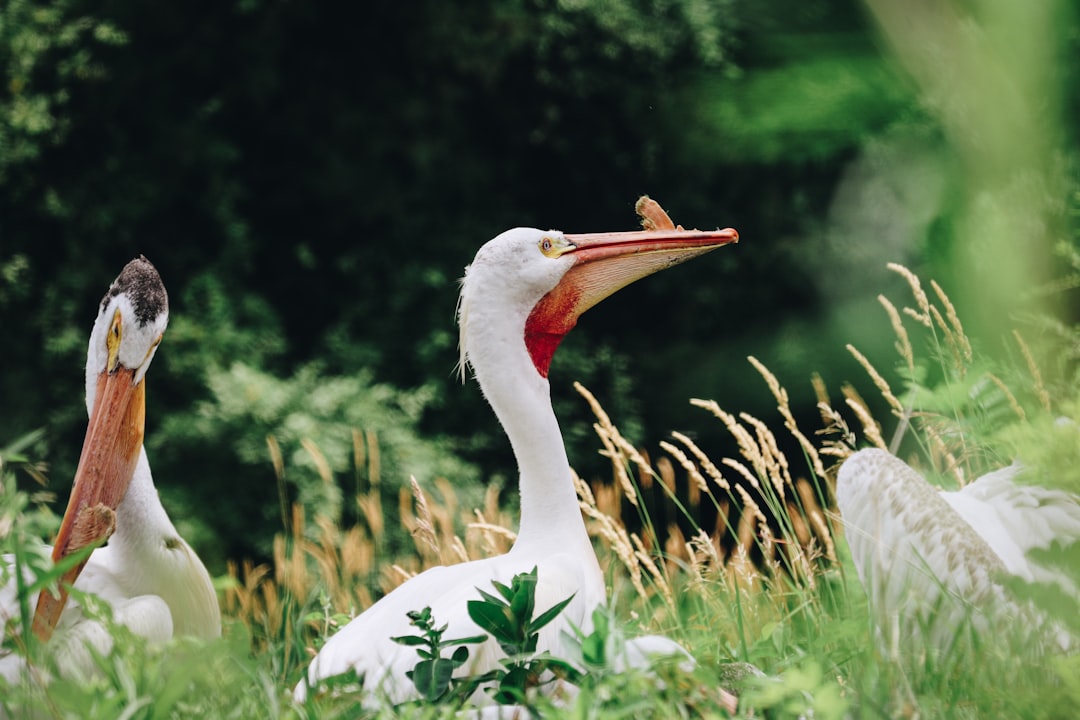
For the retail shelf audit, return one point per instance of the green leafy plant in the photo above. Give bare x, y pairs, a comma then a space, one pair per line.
594, 644
509, 620
433, 675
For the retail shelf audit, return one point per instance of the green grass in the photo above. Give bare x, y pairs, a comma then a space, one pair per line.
791, 632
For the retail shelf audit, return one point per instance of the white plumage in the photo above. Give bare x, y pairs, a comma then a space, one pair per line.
931, 560
153, 581
522, 293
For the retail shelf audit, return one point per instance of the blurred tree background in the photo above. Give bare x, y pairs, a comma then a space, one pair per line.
310, 179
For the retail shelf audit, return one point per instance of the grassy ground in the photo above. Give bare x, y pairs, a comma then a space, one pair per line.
769, 585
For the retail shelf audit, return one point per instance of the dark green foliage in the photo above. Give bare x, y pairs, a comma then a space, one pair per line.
46, 48
226, 436
310, 183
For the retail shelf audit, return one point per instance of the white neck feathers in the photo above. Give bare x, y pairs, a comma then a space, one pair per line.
492, 336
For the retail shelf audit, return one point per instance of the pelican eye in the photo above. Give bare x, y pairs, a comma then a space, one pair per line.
553, 247
112, 341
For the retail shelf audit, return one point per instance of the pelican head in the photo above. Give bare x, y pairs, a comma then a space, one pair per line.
548, 279
131, 321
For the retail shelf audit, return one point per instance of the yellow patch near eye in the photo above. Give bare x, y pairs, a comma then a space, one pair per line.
112, 342
554, 246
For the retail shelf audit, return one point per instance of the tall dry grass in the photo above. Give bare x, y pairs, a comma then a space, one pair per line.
772, 559
744, 560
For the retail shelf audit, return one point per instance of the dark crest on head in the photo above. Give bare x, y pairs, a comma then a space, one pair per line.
140, 281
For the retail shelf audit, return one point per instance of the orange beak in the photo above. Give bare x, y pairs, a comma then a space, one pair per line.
113, 439
604, 264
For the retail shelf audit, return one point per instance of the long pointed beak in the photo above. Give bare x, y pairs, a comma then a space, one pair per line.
608, 262
604, 264
110, 451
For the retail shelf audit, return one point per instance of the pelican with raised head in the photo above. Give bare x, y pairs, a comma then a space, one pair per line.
152, 579
522, 293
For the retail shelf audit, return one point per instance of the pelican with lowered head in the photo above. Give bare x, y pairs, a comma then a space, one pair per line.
154, 582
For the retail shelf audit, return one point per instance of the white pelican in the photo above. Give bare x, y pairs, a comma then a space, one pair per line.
523, 292
931, 559
152, 579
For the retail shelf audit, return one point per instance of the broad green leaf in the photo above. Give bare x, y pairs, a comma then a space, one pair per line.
512, 687
460, 656
495, 619
471, 640
550, 614
443, 672
423, 676
409, 640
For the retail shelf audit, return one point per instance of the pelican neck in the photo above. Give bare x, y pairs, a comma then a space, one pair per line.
141, 520
521, 399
